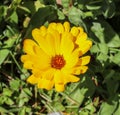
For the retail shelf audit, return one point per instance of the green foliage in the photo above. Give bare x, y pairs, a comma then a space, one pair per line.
98, 92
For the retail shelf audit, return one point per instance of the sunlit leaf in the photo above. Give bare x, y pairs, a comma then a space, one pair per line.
15, 84
98, 30
116, 58
74, 15
108, 108
7, 92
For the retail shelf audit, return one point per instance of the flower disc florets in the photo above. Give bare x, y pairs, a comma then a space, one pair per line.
57, 62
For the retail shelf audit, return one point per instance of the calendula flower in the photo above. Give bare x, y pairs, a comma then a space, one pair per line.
55, 55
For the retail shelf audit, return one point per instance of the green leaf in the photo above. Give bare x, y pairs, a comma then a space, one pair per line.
8, 44
94, 5
91, 108
3, 11
24, 96
22, 101
12, 8
27, 91
98, 30
95, 49
7, 92
38, 5
65, 3
116, 58
61, 15
5, 49
15, 84
2, 99
111, 37
115, 41
14, 18
90, 7
102, 51
28, 109
58, 106
109, 107
74, 15
102, 57
9, 101
105, 33
77, 95
22, 111
103, 48
86, 88
117, 112
3, 110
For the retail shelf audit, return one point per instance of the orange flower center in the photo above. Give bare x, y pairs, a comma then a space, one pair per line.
57, 62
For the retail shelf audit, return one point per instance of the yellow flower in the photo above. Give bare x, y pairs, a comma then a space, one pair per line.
54, 55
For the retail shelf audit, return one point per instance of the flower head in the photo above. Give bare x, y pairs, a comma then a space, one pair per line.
55, 55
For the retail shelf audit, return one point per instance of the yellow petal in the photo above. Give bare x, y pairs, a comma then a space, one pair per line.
36, 35
32, 79
83, 48
28, 65
46, 47
57, 43
71, 59
25, 58
50, 42
80, 30
70, 78
38, 51
60, 28
49, 74
79, 70
81, 38
83, 69
56, 39
52, 26
43, 30
66, 26
28, 46
70, 72
29, 61
37, 72
41, 60
45, 84
76, 70
58, 77
67, 45
74, 31
59, 87
84, 60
